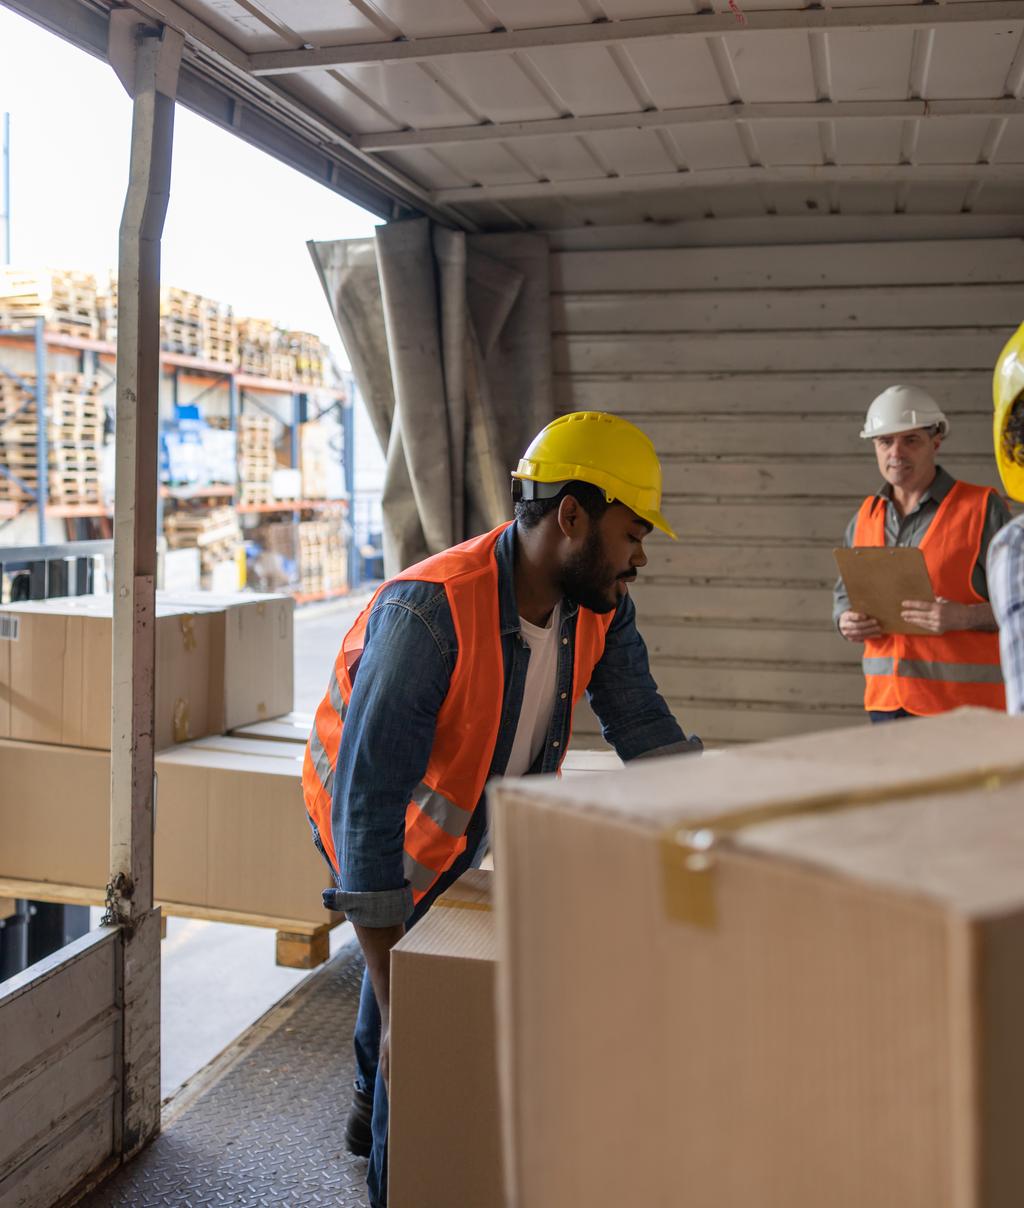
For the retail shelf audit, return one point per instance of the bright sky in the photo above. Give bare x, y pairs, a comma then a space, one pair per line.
238, 220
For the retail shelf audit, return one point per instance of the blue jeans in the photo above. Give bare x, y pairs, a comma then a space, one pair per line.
878, 715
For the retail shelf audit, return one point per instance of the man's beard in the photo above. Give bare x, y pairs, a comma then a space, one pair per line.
589, 578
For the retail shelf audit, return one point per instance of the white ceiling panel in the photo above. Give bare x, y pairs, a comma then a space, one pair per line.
745, 202
498, 87
678, 72
857, 198
671, 207
715, 145
872, 65
624, 10
409, 94
789, 142
972, 62
560, 159
435, 19
427, 169
1000, 197
328, 96
632, 152
586, 78
318, 22
950, 140
868, 142
772, 66
935, 198
799, 200
491, 163
1010, 148
536, 14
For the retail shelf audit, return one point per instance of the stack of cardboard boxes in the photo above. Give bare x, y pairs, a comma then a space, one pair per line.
231, 835
787, 976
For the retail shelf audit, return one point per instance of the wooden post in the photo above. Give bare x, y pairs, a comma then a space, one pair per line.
146, 59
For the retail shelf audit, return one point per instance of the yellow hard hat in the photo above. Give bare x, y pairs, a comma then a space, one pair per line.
1007, 386
604, 450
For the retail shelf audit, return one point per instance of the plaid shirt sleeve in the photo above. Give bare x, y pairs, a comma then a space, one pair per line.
1006, 585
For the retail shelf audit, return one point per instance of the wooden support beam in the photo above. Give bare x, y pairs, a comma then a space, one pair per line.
146, 60
303, 950
606, 33
712, 178
663, 119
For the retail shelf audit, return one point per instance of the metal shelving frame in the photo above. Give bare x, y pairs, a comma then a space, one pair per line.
240, 387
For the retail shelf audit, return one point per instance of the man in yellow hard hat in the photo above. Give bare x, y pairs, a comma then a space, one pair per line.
1006, 554
919, 504
466, 667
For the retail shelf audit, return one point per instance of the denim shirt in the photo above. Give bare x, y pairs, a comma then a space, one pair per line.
401, 682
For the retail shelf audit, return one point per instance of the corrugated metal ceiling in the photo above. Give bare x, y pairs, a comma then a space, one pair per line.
562, 113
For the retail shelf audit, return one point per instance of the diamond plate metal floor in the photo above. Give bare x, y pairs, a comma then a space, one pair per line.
265, 1123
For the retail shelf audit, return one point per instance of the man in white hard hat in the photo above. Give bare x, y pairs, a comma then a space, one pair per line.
920, 504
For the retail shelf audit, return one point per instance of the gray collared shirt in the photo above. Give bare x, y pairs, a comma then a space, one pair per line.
908, 531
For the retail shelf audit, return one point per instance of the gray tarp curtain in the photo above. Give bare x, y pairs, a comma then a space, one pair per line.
449, 336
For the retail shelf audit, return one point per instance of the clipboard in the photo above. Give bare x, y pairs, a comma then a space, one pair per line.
879, 578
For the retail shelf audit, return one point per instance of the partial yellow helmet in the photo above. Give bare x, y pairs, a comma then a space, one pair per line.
604, 450
1007, 386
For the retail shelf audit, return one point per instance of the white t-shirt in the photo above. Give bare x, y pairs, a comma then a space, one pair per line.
538, 694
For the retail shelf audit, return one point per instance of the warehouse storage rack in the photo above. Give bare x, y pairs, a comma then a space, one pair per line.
307, 403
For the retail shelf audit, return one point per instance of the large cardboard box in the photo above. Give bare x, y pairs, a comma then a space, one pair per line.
788, 977
444, 1139
55, 672
291, 727
231, 829
254, 654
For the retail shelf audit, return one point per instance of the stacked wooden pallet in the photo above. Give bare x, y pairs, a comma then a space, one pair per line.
220, 335
322, 558
314, 460
66, 300
74, 439
309, 354
255, 346
215, 533
256, 458
106, 308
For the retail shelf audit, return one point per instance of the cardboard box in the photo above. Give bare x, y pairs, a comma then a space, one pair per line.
808, 990
444, 1141
56, 673
291, 727
255, 657
231, 829
232, 833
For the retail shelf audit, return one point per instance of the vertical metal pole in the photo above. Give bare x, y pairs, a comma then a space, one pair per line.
348, 465
7, 188
42, 418
152, 69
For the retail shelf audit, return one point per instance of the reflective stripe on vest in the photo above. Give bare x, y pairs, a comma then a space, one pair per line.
438, 815
927, 674
956, 673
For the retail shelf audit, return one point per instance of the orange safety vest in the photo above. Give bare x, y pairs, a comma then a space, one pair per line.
934, 673
437, 817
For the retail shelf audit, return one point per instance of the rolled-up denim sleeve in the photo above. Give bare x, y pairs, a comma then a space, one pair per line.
634, 716
401, 682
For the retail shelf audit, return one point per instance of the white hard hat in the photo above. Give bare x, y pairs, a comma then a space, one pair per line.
902, 409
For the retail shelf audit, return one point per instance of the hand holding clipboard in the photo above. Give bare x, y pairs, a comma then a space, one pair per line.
879, 580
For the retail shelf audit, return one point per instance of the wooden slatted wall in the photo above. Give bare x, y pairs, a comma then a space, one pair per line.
60, 1057
751, 369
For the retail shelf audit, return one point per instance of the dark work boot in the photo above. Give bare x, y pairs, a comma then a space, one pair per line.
358, 1134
